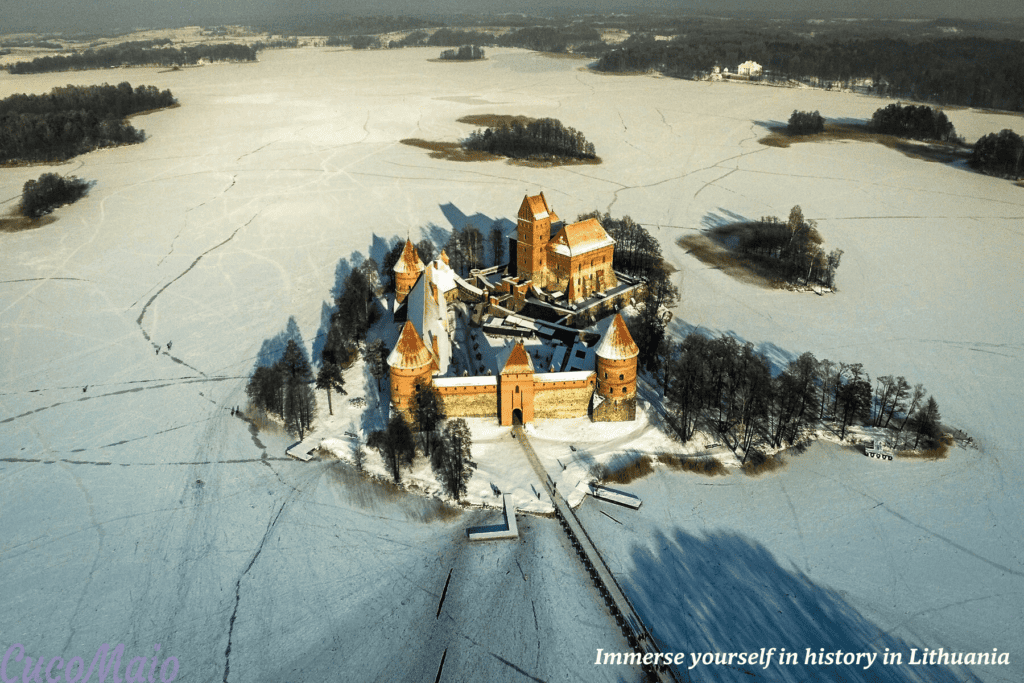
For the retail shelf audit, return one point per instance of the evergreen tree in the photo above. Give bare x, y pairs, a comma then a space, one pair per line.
425, 249
300, 400
927, 424
497, 244
376, 355
387, 268
453, 463
353, 308
395, 444
330, 377
370, 270
428, 413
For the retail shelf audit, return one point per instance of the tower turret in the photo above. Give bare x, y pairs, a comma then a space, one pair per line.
616, 374
407, 271
409, 362
515, 387
534, 233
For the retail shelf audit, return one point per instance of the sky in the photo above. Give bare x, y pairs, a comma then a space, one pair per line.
67, 15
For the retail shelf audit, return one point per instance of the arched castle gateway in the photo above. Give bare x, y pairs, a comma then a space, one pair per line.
576, 260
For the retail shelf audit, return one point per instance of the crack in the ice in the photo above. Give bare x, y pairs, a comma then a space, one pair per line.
238, 589
199, 258
240, 461
510, 664
115, 393
36, 279
712, 182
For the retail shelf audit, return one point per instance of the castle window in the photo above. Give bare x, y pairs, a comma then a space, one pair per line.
517, 390
606, 375
622, 376
623, 389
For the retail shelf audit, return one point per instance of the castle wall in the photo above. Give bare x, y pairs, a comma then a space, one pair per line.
468, 400
617, 410
562, 399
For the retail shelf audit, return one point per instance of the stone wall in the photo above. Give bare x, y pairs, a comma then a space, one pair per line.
561, 399
619, 410
470, 401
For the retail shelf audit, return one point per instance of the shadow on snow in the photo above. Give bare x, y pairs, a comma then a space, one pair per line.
726, 593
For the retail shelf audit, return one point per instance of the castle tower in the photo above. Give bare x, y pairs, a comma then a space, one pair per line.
534, 233
409, 362
616, 374
515, 387
407, 271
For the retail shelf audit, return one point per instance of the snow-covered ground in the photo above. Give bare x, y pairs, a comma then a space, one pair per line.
136, 509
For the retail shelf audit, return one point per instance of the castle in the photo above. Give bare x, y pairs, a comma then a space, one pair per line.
566, 262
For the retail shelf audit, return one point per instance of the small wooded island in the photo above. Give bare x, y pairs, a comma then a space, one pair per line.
73, 120
465, 53
536, 139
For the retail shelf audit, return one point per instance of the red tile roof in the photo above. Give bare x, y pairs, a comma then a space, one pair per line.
580, 238
537, 207
617, 343
518, 361
410, 260
410, 352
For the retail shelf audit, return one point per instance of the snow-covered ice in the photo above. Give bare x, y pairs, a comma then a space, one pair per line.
136, 509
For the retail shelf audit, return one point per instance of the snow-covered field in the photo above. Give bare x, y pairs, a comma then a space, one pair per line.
136, 509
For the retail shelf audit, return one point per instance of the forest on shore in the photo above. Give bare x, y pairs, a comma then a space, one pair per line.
73, 120
728, 389
137, 53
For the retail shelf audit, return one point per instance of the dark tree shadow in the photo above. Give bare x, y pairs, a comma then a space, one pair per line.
326, 311
725, 593
272, 349
437, 235
771, 124
342, 270
380, 246
722, 218
460, 220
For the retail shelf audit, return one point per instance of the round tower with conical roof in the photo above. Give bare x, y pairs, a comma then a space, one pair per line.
407, 271
616, 374
409, 362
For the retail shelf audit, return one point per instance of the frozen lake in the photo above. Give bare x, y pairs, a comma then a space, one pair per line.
136, 509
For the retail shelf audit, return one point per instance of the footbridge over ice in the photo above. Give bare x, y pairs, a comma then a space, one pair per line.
641, 640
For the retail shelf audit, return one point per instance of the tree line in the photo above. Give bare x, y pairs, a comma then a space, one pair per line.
73, 120
541, 138
464, 53
728, 389
968, 71
354, 313
284, 388
39, 197
136, 54
793, 247
917, 122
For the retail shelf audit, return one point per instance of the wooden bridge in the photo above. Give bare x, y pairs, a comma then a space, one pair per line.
640, 639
